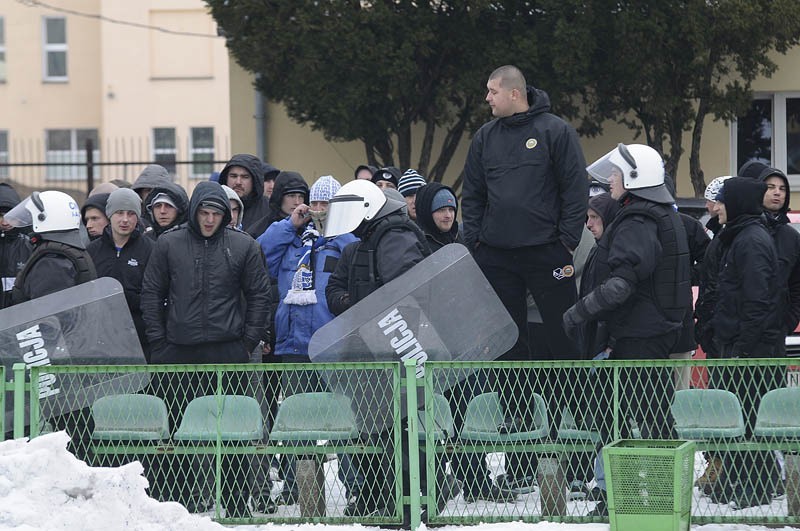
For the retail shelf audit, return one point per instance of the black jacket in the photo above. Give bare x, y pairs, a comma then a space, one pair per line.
127, 266
15, 247
178, 196
746, 320
395, 253
525, 180
216, 289
787, 245
256, 205
642, 267
436, 238
707, 291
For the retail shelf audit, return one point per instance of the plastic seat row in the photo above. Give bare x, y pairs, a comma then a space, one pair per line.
716, 414
307, 416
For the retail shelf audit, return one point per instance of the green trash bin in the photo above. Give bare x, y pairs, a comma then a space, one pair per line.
649, 484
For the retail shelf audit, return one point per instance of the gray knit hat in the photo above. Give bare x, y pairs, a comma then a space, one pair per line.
123, 199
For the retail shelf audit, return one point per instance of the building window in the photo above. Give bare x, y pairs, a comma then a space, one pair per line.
770, 133
55, 49
202, 151
4, 154
164, 147
68, 147
3, 73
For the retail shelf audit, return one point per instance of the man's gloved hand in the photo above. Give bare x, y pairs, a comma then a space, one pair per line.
572, 320
250, 344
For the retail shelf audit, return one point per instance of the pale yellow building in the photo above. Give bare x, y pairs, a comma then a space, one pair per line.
292, 147
144, 80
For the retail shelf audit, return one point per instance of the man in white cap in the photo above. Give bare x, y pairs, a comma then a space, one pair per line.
167, 207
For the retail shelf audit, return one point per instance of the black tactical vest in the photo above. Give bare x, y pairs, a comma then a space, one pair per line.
364, 277
80, 260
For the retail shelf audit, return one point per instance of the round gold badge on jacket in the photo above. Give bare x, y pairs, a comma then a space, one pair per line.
531, 143
568, 270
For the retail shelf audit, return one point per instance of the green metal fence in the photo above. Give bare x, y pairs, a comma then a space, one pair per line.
470, 442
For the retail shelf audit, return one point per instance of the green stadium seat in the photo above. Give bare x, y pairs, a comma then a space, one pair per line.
442, 419
315, 416
227, 417
707, 414
779, 414
484, 415
130, 417
568, 429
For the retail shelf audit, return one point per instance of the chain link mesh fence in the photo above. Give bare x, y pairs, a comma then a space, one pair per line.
490, 441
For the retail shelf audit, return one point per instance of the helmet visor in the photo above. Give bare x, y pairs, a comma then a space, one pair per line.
19, 216
601, 169
345, 214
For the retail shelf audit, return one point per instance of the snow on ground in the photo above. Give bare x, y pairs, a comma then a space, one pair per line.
44, 487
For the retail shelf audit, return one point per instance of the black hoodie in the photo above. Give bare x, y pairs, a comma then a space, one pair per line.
256, 204
216, 288
285, 182
178, 196
787, 246
746, 318
436, 238
15, 247
525, 181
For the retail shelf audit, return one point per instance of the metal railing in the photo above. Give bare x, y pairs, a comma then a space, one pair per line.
480, 441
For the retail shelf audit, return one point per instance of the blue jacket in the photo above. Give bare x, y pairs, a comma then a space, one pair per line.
283, 248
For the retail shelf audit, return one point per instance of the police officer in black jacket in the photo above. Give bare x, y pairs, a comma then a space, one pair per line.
15, 246
646, 293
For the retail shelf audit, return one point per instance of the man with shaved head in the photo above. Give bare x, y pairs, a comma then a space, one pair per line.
523, 209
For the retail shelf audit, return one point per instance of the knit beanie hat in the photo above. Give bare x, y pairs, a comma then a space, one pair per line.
389, 173
714, 187
410, 182
123, 199
443, 198
325, 188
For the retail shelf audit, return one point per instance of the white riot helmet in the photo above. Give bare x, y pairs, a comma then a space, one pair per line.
52, 214
356, 201
642, 170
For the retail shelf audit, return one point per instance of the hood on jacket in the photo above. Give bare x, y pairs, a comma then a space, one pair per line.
742, 197
538, 103
209, 191
605, 206
233, 196
761, 172
253, 165
97, 201
285, 182
178, 196
269, 171
9, 198
152, 175
423, 204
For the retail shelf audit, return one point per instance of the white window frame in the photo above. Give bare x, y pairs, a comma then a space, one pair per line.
4, 155
76, 154
166, 151
54, 47
4, 63
779, 147
196, 151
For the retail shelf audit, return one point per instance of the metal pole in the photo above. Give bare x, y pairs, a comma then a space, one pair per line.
89, 166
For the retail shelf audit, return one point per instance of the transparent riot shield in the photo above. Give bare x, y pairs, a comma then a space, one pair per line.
88, 324
442, 309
